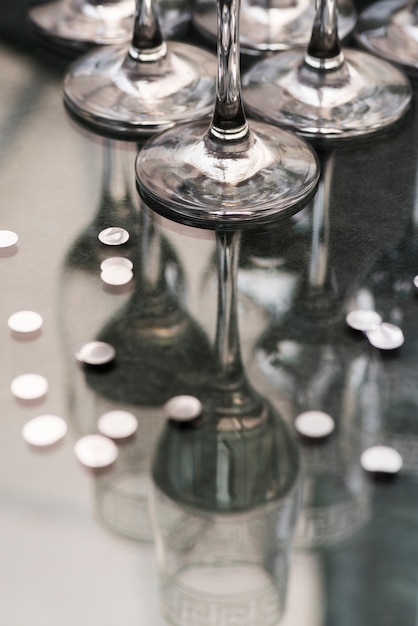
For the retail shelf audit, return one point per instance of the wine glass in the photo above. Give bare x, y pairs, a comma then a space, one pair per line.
327, 92
389, 29
272, 27
228, 173
142, 88
74, 26
225, 489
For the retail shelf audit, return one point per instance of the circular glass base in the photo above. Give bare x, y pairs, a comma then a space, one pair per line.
225, 590
361, 97
110, 91
78, 26
390, 29
186, 176
74, 27
283, 25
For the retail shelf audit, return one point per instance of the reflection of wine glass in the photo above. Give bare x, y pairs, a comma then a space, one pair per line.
225, 490
74, 26
389, 29
327, 92
142, 88
227, 172
308, 360
272, 27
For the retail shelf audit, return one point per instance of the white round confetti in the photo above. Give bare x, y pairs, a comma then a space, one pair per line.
8, 238
29, 386
44, 430
114, 236
95, 353
116, 276
183, 408
116, 261
381, 459
362, 319
96, 451
25, 322
385, 336
314, 424
117, 424
416, 281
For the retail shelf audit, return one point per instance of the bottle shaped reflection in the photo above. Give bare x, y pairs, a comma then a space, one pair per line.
309, 360
226, 491
147, 324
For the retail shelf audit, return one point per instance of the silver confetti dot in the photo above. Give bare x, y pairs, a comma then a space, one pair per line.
96, 451
385, 336
381, 459
183, 408
95, 353
25, 322
8, 238
29, 386
117, 424
45, 430
114, 236
116, 276
116, 261
314, 424
363, 320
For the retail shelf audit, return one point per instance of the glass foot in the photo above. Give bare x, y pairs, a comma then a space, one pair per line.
75, 27
185, 175
389, 29
282, 26
109, 90
362, 96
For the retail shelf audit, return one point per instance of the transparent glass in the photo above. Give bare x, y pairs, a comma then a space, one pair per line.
143, 88
389, 29
229, 173
307, 360
74, 26
147, 324
272, 26
327, 92
226, 491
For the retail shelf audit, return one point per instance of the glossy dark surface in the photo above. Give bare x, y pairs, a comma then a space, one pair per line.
356, 556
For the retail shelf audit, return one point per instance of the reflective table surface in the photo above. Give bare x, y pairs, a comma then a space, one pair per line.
75, 543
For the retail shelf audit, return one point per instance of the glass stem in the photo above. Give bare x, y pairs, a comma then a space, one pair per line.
147, 44
227, 344
324, 50
229, 122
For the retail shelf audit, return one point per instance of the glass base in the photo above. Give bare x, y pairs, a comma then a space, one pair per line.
75, 27
110, 91
359, 98
281, 25
186, 176
218, 594
389, 29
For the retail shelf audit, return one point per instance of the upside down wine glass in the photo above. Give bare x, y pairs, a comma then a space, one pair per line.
229, 173
74, 26
225, 490
389, 28
272, 26
327, 92
144, 87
